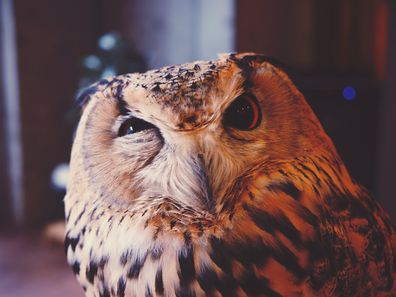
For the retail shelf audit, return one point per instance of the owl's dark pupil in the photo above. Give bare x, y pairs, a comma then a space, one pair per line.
243, 114
134, 125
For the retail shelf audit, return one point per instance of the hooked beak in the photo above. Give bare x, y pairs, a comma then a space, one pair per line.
207, 193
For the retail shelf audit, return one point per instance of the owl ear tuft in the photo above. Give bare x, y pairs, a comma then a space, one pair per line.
246, 60
83, 97
85, 94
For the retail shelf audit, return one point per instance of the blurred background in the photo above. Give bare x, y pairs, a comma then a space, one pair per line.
341, 55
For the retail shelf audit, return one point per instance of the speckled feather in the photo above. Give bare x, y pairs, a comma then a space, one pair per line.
196, 208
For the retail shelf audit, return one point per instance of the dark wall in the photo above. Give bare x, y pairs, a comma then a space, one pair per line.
387, 153
52, 37
281, 29
310, 35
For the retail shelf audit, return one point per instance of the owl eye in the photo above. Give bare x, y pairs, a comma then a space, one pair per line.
134, 125
244, 113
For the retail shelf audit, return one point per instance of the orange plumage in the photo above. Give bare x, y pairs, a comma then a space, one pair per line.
216, 179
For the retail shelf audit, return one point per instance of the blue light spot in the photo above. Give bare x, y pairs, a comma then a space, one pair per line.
108, 71
92, 62
107, 42
60, 176
349, 93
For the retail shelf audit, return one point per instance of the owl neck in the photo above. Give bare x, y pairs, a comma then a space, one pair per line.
321, 174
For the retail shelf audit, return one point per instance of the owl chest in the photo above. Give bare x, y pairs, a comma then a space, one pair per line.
128, 259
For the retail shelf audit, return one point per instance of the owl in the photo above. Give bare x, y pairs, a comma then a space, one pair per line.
215, 178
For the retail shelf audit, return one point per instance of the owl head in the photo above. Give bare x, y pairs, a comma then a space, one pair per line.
190, 134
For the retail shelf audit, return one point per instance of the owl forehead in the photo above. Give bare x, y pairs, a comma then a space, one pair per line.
186, 94
168, 85
183, 96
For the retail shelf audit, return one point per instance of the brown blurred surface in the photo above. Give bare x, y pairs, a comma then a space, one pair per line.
52, 38
32, 267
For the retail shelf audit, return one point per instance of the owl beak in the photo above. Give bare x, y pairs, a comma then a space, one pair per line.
207, 197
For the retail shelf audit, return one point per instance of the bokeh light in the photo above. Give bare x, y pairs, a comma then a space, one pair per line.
349, 93
60, 176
